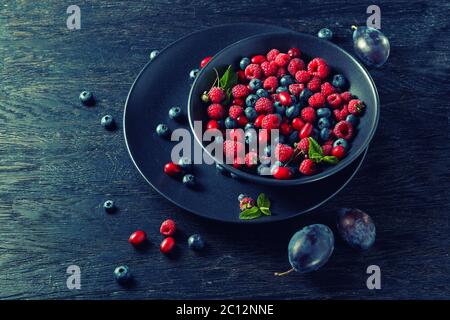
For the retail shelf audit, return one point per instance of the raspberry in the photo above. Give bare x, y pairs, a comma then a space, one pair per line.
235, 111
216, 95
285, 129
281, 72
269, 68
258, 59
235, 135
283, 152
270, 121
303, 145
326, 149
307, 167
295, 65
270, 84
232, 148
314, 84
356, 106
343, 129
297, 124
263, 137
346, 96
318, 67
264, 105
296, 88
334, 100
216, 111
246, 203
168, 228
240, 91
282, 59
308, 114
341, 114
302, 76
212, 124
253, 71
237, 101
317, 100
272, 54
251, 159
294, 52
327, 88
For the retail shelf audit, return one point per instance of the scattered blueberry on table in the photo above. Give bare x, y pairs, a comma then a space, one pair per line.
153, 54
196, 242
87, 98
108, 122
163, 130
109, 206
193, 74
325, 34
175, 113
189, 180
122, 274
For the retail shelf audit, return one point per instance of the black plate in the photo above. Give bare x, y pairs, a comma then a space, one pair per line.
361, 84
148, 102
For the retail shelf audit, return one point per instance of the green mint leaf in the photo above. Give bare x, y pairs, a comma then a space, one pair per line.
228, 79
330, 159
265, 211
314, 148
316, 157
263, 201
251, 213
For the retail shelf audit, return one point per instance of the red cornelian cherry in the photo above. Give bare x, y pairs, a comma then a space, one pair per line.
282, 173
297, 124
172, 169
168, 228
137, 238
212, 124
306, 130
258, 59
167, 245
285, 98
294, 53
338, 152
205, 61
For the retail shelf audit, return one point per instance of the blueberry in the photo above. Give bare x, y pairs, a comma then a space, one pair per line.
315, 134
189, 180
251, 137
281, 89
250, 113
175, 113
356, 228
293, 111
263, 170
293, 99
244, 63
262, 93
109, 206
122, 274
323, 123
163, 131
249, 126
230, 123
196, 242
304, 96
293, 137
310, 248
108, 122
87, 98
193, 74
354, 120
279, 108
185, 163
325, 134
341, 142
221, 124
255, 84
323, 113
325, 34
251, 100
153, 54
242, 196
285, 81
339, 81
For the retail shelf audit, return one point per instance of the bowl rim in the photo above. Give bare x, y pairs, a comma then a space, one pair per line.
303, 179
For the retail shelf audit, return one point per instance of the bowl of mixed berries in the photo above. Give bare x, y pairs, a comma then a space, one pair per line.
283, 108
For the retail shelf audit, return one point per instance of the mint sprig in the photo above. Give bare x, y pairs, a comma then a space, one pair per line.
262, 208
228, 80
315, 153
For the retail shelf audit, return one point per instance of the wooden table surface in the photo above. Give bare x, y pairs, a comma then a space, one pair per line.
58, 165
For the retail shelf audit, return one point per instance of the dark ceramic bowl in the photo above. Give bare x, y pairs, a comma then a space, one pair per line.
362, 85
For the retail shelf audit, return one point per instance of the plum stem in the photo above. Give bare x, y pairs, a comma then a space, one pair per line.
283, 273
